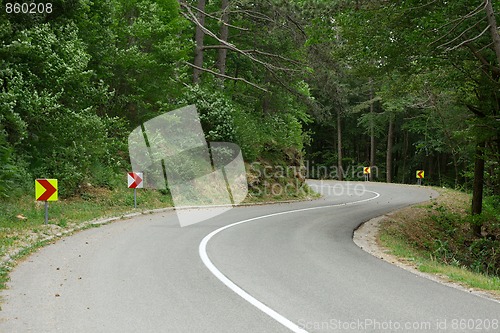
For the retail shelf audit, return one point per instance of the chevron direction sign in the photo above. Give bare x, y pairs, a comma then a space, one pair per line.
420, 174
135, 180
46, 189
366, 170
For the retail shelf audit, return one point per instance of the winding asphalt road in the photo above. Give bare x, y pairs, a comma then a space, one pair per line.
270, 268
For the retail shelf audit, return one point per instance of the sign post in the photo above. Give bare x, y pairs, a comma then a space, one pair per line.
420, 175
135, 182
46, 190
46, 212
366, 172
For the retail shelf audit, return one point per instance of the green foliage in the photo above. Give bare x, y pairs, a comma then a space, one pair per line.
257, 134
217, 113
455, 244
73, 83
48, 104
7, 169
441, 231
144, 51
68, 82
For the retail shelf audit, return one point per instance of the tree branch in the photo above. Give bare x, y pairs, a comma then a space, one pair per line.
209, 47
421, 6
255, 15
463, 33
468, 40
476, 111
481, 59
226, 76
218, 19
297, 25
459, 20
190, 16
276, 56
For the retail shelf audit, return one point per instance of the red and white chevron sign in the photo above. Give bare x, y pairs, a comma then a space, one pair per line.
135, 180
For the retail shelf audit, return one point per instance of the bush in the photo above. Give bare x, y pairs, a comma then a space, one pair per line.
216, 113
7, 170
257, 134
447, 235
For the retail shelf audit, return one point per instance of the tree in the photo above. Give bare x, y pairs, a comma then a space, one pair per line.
199, 40
469, 41
415, 37
224, 35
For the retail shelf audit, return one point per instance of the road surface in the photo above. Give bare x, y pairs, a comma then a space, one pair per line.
270, 268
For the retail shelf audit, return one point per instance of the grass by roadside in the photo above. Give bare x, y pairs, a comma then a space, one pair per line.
436, 238
22, 228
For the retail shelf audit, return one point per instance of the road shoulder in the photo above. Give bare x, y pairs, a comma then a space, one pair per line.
366, 236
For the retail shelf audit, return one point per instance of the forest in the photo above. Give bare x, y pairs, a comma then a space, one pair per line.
327, 84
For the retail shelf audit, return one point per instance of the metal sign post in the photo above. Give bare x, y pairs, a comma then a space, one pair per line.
46, 190
46, 212
420, 174
135, 181
135, 197
366, 172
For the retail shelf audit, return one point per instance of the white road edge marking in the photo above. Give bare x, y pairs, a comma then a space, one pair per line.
202, 249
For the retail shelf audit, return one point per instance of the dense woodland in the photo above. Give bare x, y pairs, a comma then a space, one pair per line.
398, 85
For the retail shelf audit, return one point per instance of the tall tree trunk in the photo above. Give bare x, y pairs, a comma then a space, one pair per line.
340, 170
372, 132
390, 142
477, 189
199, 39
405, 155
430, 167
455, 166
224, 35
438, 159
490, 14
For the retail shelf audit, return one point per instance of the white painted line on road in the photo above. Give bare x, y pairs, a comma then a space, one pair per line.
202, 249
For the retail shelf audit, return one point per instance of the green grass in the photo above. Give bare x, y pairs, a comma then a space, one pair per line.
462, 275
401, 232
426, 264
